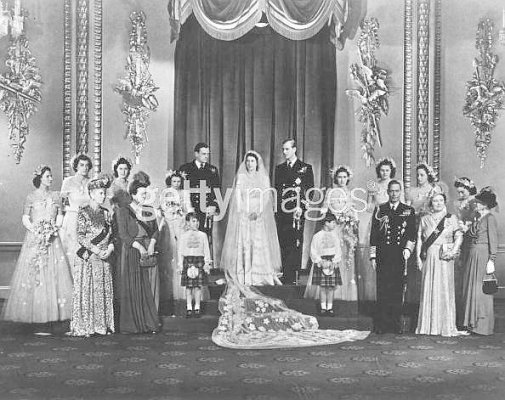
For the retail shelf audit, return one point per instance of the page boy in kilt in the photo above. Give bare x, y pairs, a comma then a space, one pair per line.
194, 263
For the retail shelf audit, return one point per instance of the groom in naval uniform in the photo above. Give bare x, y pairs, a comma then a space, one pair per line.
293, 178
200, 170
392, 241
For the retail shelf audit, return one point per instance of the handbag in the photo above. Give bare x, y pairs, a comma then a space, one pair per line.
446, 252
149, 261
490, 284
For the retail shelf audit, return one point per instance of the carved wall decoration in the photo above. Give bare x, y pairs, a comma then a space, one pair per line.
97, 120
485, 95
82, 76
67, 86
137, 86
408, 92
423, 82
19, 92
372, 91
437, 83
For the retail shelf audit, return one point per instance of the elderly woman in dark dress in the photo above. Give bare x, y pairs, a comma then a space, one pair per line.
138, 232
483, 246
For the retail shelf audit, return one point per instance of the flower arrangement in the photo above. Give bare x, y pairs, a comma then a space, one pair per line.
137, 87
373, 91
484, 93
44, 231
19, 92
350, 227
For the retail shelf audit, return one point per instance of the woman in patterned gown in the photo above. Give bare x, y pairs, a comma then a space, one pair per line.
41, 287
74, 191
92, 311
483, 245
175, 204
138, 232
437, 311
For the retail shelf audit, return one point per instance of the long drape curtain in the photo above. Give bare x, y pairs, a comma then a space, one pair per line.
252, 93
293, 19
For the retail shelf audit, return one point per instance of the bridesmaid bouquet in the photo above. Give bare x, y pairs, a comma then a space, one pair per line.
349, 222
44, 231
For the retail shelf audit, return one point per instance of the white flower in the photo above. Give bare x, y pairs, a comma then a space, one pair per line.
252, 327
266, 321
296, 326
262, 329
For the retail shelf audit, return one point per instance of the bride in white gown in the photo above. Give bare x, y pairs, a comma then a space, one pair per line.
251, 253
251, 256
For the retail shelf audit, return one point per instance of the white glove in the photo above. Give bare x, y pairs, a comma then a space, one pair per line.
490, 267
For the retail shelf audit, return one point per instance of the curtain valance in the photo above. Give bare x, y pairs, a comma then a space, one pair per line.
293, 19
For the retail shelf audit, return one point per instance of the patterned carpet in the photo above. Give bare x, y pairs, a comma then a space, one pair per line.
183, 363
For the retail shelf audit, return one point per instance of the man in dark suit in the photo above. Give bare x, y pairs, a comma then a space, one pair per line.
293, 178
195, 172
392, 241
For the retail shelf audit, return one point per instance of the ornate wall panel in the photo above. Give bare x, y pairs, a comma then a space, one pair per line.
79, 94
82, 76
437, 72
408, 91
97, 86
67, 86
423, 82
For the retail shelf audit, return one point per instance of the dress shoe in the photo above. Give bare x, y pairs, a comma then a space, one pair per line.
197, 314
330, 313
189, 313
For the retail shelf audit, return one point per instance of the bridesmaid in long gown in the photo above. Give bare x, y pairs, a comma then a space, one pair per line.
419, 197
138, 232
377, 194
464, 208
74, 191
483, 237
93, 309
41, 287
437, 311
340, 202
175, 204
117, 193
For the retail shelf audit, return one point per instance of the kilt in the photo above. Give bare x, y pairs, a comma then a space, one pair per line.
201, 279
320, 279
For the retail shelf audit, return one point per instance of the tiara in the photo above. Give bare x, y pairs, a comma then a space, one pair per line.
39, 169
172, 172
468, 183
430, 169
100, 182
345, 167
119, 157
388, 160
